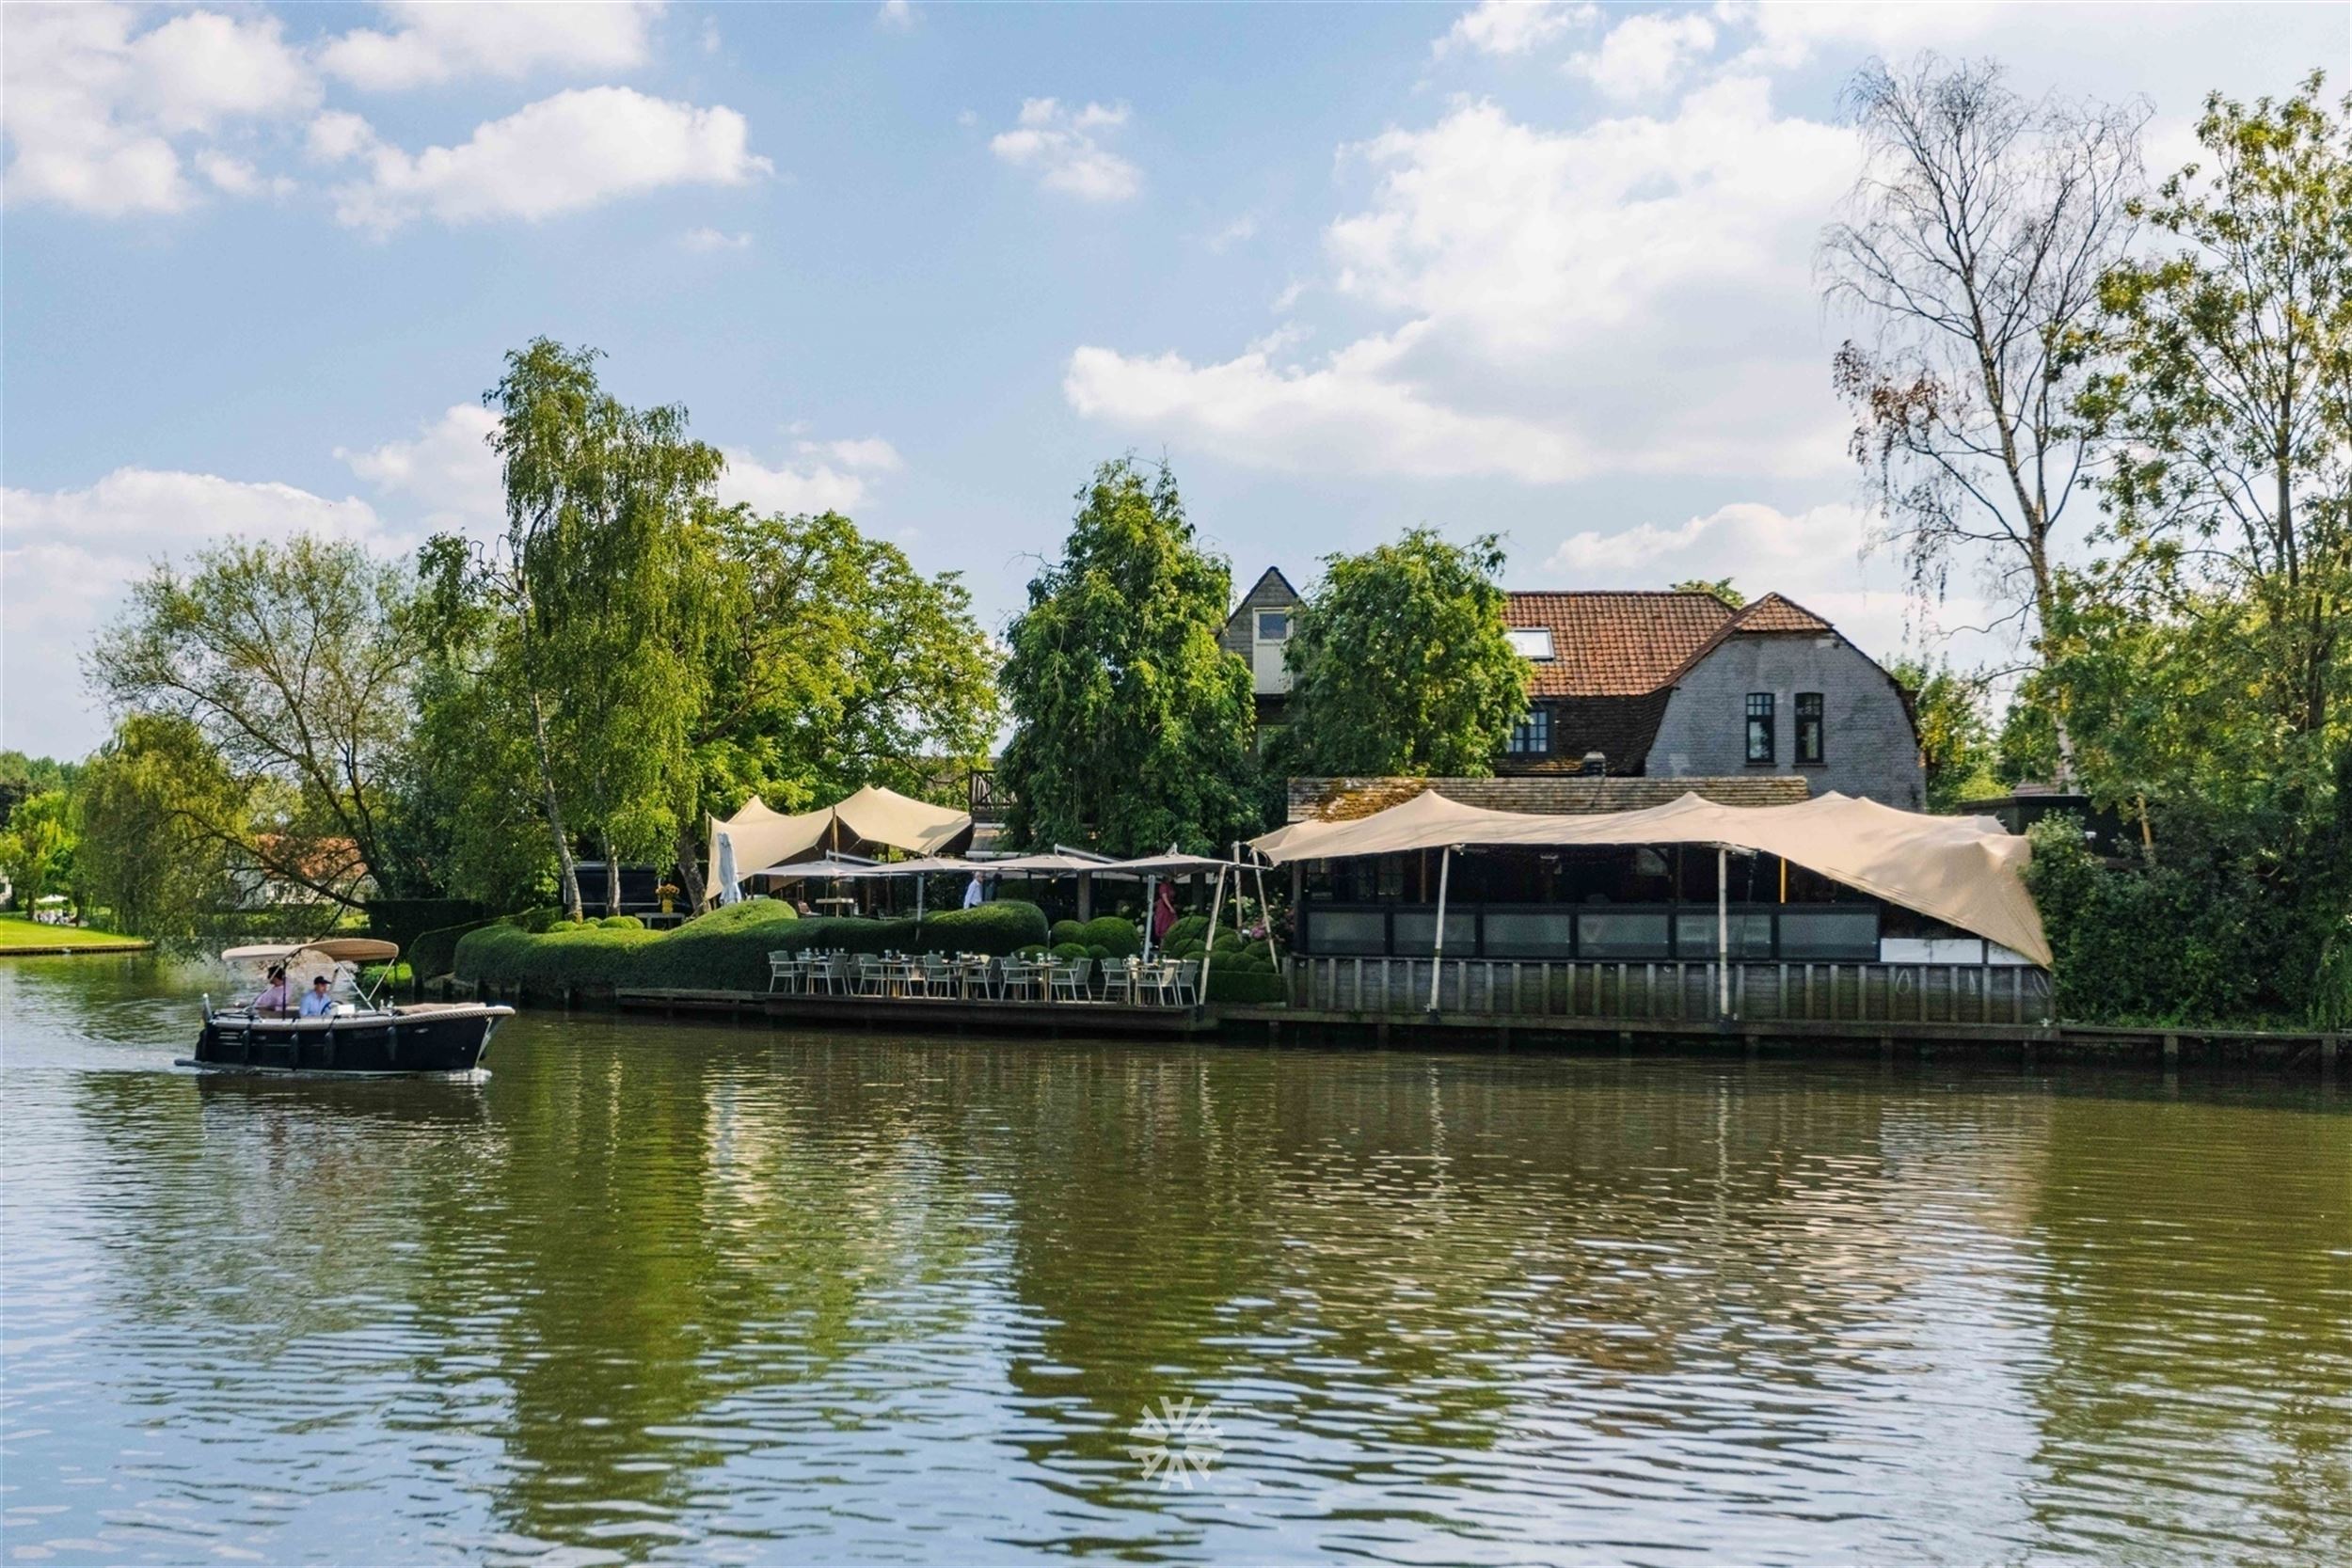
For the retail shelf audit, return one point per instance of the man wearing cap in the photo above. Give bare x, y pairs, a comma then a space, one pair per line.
320, 1001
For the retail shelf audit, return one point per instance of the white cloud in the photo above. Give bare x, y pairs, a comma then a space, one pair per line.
1568, 303
1234, 234
706, 239
1645, 55
870, 455
70, 555
1512, 26
897, 16
432, 43
92, 110
1063, 146
576, 149
235, 177
819, 488
447, 468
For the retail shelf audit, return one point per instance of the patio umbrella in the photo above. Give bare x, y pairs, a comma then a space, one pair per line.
730, 892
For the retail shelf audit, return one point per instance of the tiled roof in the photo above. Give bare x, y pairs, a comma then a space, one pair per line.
1344, 800
1774, 613
1615, 644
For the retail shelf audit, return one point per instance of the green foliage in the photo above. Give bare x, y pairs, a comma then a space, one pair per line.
535, 920
402, 920
2198, 938
1955, 738
1400, 665
621, 922
291, 659
1191, 927
1244, 987
1116, 937
22, 777
1067, 931
434, 953
157, 813
1720, 588
1070, 950
725, 949
37, 849
997, 928
1136, 728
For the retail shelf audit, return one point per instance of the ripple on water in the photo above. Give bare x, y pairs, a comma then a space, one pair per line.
716, 1295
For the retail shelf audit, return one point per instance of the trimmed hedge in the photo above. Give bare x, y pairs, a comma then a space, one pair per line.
1113, 934
435, 952
1244, 985
723, 950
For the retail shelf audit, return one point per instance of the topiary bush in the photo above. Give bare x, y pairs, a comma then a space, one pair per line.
1113, 934
1070, 950
1192, 928
1002, 926
1067, 931
582, 956
621, 922
535, 920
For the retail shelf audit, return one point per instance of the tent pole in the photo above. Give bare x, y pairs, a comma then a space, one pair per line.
1436, 954
1267, 911
1723, 931
1150, 911
1208, 956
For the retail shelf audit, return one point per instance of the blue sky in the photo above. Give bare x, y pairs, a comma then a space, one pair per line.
1544, 270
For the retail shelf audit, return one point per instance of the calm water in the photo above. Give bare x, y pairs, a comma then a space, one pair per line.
713, 1293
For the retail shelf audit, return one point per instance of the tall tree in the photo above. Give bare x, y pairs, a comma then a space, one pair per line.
36, 848
292, 662
1134, 725
159, 813
2225, 403
1972, 251
1400, 663
1956, 746
837, 665
598, 595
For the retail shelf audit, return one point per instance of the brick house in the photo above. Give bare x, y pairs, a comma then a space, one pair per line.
1673, 685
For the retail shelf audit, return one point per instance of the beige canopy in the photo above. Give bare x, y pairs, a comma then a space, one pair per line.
763, 839
1963, 870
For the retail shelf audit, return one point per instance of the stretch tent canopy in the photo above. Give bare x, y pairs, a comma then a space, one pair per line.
764, 839
1966, 871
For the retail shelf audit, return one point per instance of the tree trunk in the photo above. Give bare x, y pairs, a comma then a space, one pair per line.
611, 878
689, 868
568, 880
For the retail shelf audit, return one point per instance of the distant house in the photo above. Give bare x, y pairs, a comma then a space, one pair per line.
1258, 630
1673, 685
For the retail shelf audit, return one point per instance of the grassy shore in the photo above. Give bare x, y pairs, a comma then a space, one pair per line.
18, 935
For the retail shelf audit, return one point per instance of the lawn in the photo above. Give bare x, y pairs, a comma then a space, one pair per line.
17, 932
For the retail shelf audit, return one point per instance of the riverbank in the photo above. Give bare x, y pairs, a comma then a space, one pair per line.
2287, 1053
21, 938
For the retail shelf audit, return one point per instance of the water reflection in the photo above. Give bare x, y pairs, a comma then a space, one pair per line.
720, 1293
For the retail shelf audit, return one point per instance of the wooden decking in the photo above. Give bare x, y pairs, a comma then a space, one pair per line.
925, 1013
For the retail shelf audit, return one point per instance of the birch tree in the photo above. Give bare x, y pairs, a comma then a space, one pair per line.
1970, 254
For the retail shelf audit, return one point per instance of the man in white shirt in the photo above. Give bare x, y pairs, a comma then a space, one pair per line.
320, 1001
972, 894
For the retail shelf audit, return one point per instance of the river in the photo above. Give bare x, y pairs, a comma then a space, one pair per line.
720, 1293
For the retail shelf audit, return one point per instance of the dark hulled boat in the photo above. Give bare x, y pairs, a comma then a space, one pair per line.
361, 1035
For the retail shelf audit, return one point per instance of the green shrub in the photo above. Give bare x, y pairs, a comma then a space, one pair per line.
535, 920
1101, 955
621, 922
584, 956
433, 951
1067, 931
999, 927
1115, 934
1191, 927
1243, 986
405, 920
1070, 950
727, 948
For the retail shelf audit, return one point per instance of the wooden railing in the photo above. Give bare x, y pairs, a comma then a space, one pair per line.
1679, 991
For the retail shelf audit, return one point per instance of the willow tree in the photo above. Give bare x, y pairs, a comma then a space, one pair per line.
1400, 662
598, 587
1134, 726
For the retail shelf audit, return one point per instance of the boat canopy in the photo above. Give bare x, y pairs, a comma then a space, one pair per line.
340, 950
1966, 871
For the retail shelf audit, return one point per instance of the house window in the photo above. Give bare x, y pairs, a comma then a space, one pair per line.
1530, 642
1274, 626
1808, 727
1531, 738
1760, 729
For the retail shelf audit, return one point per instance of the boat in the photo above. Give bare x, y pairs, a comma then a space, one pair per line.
363, 1034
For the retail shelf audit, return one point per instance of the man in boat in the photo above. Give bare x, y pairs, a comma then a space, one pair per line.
321, 1000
